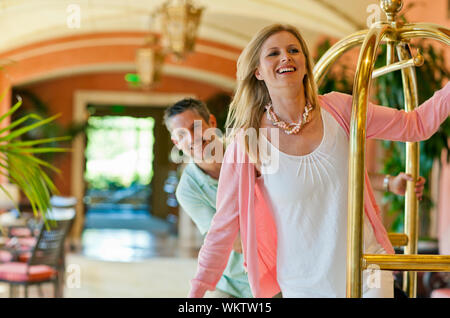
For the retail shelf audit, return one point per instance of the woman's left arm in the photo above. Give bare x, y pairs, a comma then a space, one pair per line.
392, 124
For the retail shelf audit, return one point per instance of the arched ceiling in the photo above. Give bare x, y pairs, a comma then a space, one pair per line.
231, 22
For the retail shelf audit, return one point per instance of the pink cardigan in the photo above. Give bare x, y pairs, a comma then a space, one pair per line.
242, 202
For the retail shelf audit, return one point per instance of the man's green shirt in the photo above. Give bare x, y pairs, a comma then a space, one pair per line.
196, 193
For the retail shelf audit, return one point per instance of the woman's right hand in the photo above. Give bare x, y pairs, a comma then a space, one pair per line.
398, 183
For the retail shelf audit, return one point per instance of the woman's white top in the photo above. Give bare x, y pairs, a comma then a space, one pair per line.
309, 200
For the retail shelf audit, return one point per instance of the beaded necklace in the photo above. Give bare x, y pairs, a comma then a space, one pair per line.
288, 128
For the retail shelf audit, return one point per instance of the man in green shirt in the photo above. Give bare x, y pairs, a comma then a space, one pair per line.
196, 192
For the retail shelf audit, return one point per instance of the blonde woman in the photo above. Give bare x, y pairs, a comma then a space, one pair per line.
293, 220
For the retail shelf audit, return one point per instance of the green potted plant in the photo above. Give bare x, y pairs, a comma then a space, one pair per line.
19, 162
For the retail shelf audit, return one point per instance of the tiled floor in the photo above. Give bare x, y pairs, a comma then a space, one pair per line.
92, 278
126, 219
124, 245
158, 277
124, 263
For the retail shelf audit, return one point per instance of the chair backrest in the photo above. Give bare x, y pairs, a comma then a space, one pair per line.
50, 243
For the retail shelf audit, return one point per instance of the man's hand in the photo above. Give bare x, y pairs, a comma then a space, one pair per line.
237, 245
397, 184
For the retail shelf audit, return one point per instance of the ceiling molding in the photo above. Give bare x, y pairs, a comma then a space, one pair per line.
59, 47
109, 41
187, 73
343, 14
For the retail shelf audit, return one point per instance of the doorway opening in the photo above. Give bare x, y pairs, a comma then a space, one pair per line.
119, 169
125, 166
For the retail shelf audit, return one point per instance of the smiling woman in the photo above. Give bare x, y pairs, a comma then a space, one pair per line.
293, 219
281, 56
258, 68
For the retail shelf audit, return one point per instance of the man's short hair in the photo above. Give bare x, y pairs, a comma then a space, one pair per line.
184, 105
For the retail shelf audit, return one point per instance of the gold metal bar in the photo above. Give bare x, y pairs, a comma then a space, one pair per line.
361, 88
332, 55
416, 263
412, 167
372, 38
416, 61
407, 32
398, 239
390, 53
424, 30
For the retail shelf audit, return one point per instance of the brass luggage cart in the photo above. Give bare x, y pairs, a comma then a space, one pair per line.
396, 36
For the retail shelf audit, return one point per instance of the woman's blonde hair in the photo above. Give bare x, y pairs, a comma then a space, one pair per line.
247, 106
